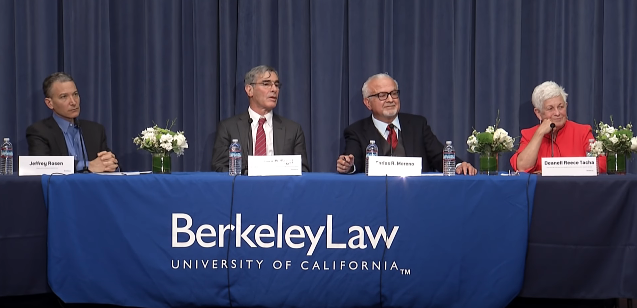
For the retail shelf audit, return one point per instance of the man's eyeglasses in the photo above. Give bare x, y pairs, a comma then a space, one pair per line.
383, 95
268, 84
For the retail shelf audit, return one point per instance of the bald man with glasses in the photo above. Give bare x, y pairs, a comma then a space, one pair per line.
396, 134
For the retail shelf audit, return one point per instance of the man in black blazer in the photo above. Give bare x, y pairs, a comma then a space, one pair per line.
259, 130
61, 134
411, 135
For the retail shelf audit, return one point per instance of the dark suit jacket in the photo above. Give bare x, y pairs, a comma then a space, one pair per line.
288, 140
45, 138
415, 133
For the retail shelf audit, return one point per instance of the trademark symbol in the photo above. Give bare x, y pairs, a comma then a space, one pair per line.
405, 271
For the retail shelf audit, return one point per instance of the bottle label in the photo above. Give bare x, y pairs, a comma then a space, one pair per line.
6, 153
448, 156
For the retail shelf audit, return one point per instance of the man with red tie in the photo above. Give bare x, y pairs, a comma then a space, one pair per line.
396, 134
259, 130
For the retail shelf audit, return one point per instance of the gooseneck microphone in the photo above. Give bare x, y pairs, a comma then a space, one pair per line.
244, 166
84, 158
250, 136
552, 138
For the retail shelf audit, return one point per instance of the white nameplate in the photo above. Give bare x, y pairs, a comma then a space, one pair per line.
569, 166
39, 165
274, 165
394, 166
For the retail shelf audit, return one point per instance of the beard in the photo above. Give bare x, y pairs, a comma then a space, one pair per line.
390, 112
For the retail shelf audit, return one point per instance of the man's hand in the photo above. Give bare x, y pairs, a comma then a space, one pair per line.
466, 168
344, 163
105, 162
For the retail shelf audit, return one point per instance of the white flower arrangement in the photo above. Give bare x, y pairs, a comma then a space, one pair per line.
597, 149
159, 140
492, 140
617, 140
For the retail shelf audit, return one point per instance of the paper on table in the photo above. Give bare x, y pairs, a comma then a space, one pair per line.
124, 173
431, 174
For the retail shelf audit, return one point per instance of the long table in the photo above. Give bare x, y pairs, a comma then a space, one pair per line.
583, 240
308, 241
23, 225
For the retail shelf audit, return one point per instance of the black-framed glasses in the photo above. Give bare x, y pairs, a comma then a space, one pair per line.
383, 95
268, 84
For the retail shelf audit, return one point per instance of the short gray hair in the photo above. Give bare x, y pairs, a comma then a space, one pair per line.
547, 90
365, 89
255, 72
53, 78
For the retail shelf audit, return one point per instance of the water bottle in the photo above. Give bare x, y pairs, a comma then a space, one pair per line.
234, 158
6, 158
371, 150
448, 160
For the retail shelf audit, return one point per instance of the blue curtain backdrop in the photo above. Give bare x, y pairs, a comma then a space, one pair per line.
457, 63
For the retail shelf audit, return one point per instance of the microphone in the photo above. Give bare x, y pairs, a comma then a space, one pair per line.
84, 158
250, 136
391, 149
552, 138
244, 166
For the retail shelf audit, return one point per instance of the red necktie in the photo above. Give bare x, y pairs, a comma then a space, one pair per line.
392, 138
259, 147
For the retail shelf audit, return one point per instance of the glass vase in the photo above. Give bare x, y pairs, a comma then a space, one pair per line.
489, 163
161, 163
615, 163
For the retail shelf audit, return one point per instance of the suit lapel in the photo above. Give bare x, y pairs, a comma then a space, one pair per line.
58, 136
243, 125
373, 134
278, 134
407, 136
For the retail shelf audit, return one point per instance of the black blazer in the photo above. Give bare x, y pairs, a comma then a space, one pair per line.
416, 136
288, 140
45, 138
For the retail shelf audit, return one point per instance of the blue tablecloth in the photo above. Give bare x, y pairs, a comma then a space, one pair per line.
319, 240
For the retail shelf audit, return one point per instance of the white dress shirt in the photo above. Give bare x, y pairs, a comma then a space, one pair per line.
382, 127
267, 128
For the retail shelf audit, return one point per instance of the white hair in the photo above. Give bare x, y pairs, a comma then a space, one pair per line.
365, 89
547, 90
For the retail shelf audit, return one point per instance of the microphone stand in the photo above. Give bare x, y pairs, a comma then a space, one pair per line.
391, 139
552, 138
249, 148
84, 158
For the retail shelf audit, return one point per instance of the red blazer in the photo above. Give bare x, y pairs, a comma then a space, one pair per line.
571, 141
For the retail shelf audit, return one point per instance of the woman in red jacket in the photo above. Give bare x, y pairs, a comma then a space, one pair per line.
569, 139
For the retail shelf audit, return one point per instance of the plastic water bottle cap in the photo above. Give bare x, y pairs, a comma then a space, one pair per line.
448, 142
6, 139
372, 141
235, 140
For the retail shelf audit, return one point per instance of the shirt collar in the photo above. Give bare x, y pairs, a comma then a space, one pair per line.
255, 116
64, 124
382, 126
